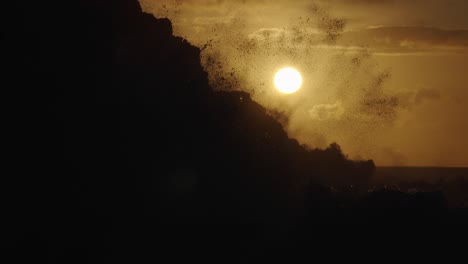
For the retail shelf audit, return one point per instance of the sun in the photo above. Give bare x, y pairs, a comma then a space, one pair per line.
288, 80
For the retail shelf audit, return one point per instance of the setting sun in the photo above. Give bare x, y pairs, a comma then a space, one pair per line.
288, 80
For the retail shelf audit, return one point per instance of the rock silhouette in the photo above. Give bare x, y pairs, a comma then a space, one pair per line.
121, 137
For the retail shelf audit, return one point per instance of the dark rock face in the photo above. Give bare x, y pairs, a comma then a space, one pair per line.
120, 135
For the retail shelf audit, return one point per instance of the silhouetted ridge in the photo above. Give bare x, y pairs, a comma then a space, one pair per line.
124, 135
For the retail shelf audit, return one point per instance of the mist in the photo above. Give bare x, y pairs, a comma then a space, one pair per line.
344, 97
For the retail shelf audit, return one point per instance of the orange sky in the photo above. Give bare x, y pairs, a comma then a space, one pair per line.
386, 79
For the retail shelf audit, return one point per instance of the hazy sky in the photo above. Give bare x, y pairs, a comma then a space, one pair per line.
386, 79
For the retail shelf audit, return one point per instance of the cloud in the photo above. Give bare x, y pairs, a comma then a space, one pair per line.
327, 111
426, 94
407, 39
379, 39
264, 34
319, 20
418, 97
394, 157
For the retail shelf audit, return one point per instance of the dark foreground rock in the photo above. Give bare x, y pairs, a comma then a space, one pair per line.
121, 149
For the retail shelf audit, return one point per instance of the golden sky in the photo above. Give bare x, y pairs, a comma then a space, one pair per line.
386, 79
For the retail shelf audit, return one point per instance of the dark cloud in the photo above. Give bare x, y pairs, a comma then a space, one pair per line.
378, 2
408, 39
331, 26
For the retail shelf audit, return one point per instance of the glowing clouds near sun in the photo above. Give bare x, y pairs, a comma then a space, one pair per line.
288, 80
